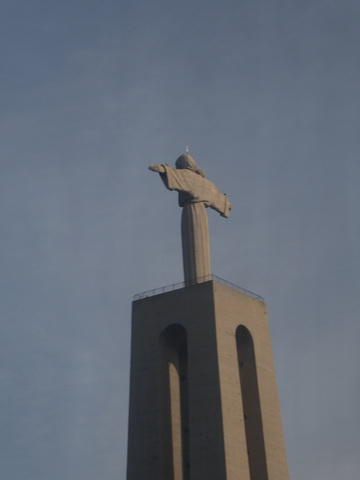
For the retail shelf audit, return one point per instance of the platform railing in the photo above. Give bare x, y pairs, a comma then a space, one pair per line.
206, 278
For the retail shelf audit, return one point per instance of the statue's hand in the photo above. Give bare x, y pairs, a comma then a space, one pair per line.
155, 167
226, 212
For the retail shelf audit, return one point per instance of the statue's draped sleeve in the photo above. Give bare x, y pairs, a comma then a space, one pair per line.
193, 188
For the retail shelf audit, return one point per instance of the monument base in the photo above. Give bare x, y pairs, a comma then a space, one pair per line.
203, 396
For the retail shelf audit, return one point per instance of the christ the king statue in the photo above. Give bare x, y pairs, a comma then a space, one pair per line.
196, 193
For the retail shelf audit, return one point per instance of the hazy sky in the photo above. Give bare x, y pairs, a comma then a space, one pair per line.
267, 95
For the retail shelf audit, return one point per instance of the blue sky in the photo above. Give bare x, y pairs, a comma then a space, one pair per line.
266, 94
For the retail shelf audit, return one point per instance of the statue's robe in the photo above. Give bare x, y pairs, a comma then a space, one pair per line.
196, 193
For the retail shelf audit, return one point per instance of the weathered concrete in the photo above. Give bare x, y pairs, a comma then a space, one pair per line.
191, 418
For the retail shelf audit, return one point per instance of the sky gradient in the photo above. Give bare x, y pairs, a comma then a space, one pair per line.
266, 93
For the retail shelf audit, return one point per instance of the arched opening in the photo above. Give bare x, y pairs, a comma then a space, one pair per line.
174, 405
251, 404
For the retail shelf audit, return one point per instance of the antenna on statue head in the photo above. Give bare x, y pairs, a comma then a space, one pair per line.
187, 149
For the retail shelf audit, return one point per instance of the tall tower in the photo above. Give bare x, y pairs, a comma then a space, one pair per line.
203, 396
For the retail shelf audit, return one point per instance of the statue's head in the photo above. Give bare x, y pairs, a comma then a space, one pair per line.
185, 162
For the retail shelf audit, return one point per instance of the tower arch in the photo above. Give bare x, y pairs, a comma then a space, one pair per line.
174, 399
249, 386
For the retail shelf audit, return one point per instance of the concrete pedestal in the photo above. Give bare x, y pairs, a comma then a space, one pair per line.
203, 396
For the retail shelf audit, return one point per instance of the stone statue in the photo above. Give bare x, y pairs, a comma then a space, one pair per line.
196, 193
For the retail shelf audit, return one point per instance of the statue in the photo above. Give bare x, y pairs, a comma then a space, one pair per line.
196, 193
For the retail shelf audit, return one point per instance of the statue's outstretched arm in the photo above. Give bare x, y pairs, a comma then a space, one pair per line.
155, 167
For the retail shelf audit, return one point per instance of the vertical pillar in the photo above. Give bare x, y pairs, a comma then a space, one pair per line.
201, 356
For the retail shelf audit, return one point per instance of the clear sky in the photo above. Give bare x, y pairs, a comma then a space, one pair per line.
267, 95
